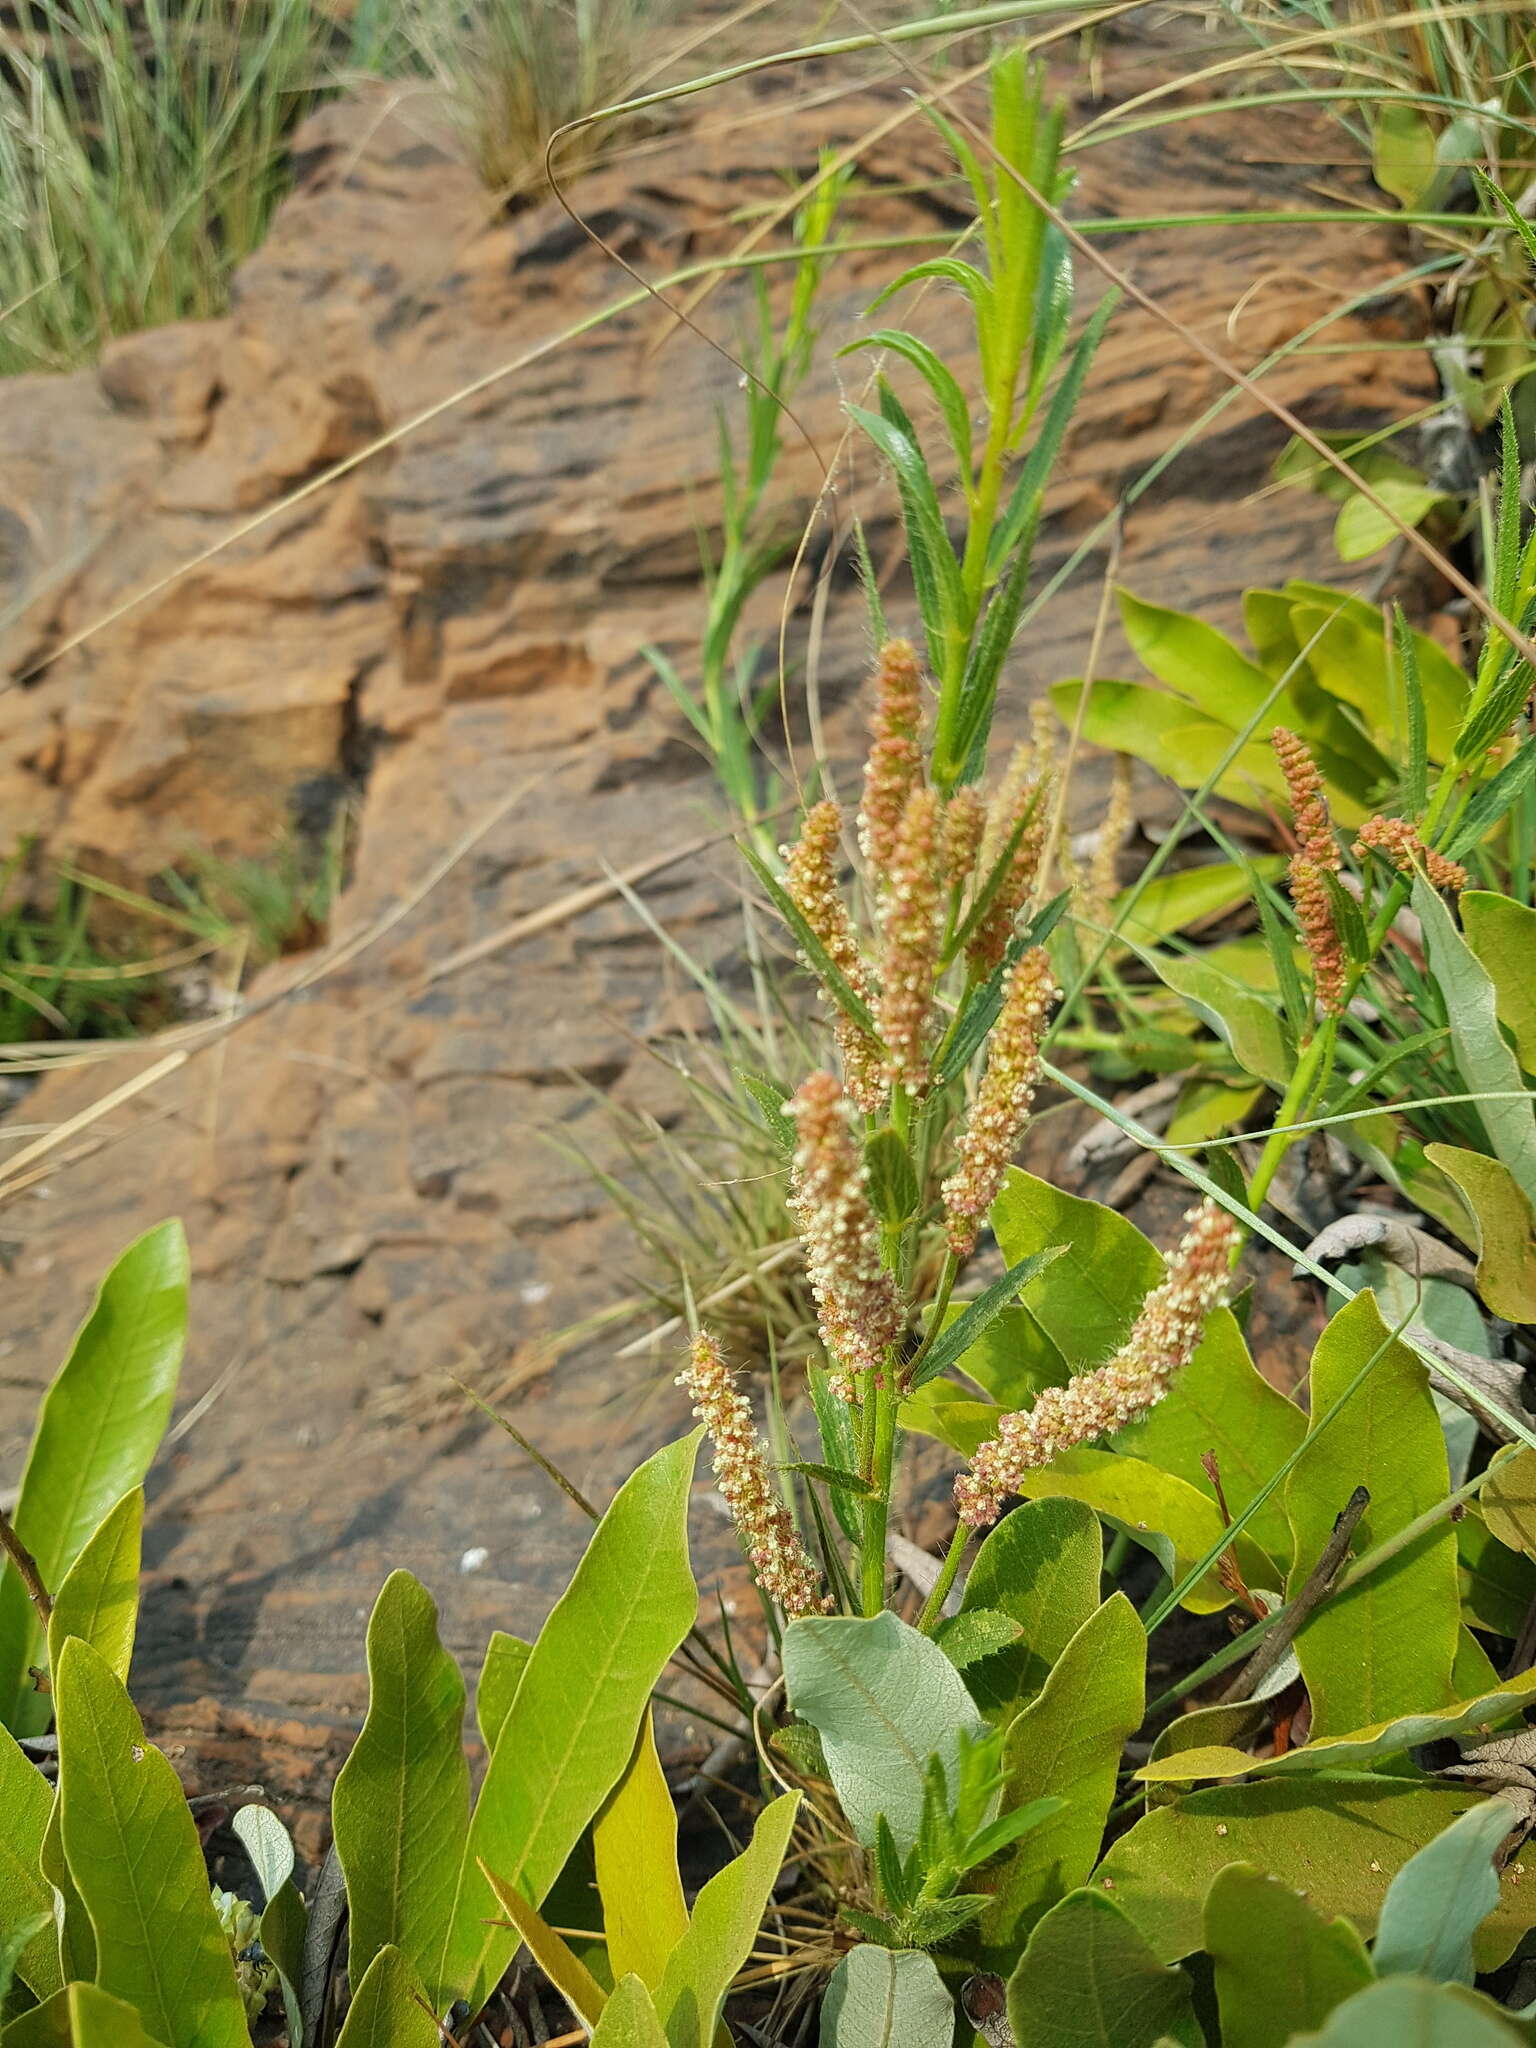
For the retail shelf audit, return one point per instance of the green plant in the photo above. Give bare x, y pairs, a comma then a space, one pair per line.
141, 154
516, 71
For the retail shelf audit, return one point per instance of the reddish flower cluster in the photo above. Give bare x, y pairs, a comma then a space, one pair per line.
895, 764
1001, 1109
1316, 857
859, 1310
810, 876
777, 1556
1020, 800
912, 921
1097, 1403
1396, 841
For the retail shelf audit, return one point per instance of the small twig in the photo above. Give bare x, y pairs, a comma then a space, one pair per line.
26, 1570
1318, 1585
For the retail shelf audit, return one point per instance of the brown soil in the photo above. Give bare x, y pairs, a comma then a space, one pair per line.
453, 626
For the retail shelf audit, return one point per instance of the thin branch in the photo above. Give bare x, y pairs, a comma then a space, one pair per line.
1320, 1582
26, 1570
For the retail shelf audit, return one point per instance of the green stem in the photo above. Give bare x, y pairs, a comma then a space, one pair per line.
1311, 1070
877, 1504
933, 1606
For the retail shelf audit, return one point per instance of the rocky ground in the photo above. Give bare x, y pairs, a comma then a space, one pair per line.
449, 634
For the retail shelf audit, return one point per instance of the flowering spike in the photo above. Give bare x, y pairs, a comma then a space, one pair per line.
1097, 1403
1020, 797
1397, 842
1316, 857
1102, 879
895, 764
1001, 1109
810, 876
777, 1556
911, 914
859, 1311
965, 821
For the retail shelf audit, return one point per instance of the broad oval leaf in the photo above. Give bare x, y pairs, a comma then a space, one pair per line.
400, 1810
1067, 1744
1280, 1967
1386, 1647
1506, 1232
572, 1725
1087, 1298
1404, 2009
1088, 1978
1041, 1566
99, 1599
1502, 933
1242, 1018
1197, 661
886, 1998
99, 1426
1438, 1900
134, 1854
80, 2016
883, 1699
1340, 1840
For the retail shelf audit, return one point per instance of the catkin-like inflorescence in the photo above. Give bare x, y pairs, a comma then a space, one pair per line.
777, 1556
895, 764
1020, 798
810, 876
1001, 1109
1315, 858
911, 917
1097, 1403
859, 1310
965, 820
1396, 841
1102, 879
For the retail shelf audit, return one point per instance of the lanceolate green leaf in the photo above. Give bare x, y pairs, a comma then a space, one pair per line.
1088, 1979
1197, 661
99, 1599
400, 1810
935, 572
26, 1802
1486, 1062
1438, 1900
1280, 1967
634, 1841
1041, 1565
572, 1725
939, 378
1340, 1840
100, 1424
976, 1317
883, 1699
134, 1854
388, 2008
1387, 1646
886, 1998
501, 1673
1067, 1744
719, 1937
553, 1954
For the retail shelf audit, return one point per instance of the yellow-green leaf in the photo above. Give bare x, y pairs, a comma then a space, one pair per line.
1508, 1500
572, 1725
501, 1673
99, 1599
1280, 1967
1238, 1015
1041, 1566
400, 1810
719, 1937
1067, 1744
97, 1430
389, 2009
634, 1843
1087, 1299
1341, 1841
1502, 933
1170, 902
629, 2019
26, 1802
1088, 1980
80, 2016
134, 1854
1506, 1231
553, 1954
1387, 1646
